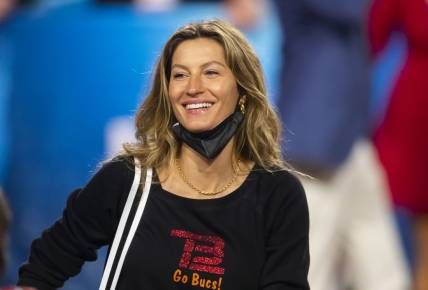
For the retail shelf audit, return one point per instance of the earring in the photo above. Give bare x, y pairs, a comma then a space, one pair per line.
242, 105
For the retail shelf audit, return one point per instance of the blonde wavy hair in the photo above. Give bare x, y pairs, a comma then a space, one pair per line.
257, 139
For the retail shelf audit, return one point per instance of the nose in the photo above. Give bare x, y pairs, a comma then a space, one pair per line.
195, 86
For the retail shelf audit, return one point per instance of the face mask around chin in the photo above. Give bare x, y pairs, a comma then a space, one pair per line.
210, 143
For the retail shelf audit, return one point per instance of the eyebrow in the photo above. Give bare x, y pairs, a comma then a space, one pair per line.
203, 65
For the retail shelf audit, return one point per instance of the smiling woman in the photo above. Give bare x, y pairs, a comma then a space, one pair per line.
218, 209
202, 89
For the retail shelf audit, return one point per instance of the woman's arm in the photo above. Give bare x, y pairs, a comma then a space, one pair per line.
287, 239
88, 222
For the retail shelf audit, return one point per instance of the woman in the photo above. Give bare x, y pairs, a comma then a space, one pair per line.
402, 137
222, 212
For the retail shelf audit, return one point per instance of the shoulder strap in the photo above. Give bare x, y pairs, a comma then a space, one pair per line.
122, 223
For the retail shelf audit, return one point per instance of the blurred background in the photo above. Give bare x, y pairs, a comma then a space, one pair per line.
72, 73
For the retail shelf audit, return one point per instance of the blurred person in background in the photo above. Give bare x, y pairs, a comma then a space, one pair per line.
5, 217
4, 224
324, 104
402, 137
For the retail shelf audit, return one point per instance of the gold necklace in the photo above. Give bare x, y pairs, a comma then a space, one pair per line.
186, 180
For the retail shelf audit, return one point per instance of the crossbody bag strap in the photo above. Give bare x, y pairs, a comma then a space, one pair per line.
121, 227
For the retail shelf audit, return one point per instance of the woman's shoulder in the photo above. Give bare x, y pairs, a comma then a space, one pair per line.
280, 194
278, 177
277, 186
114, 175
118, 163
118, 167
104, 195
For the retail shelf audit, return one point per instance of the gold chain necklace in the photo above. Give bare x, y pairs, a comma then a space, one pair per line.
184, 178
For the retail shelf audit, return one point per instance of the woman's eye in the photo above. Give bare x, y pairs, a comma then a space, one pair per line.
178, 75
211, 72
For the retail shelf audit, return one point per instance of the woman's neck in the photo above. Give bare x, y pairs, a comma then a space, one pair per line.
204, 174
194, 163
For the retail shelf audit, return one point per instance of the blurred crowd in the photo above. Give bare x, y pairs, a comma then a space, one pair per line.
357, 170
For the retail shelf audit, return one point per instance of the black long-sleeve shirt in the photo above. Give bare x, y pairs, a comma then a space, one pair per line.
254, 238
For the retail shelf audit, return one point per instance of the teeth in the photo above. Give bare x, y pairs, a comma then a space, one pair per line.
198, 106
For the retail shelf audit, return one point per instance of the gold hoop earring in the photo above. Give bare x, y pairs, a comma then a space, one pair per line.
242, 105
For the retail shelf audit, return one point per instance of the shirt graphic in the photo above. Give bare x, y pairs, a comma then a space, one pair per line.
200, 264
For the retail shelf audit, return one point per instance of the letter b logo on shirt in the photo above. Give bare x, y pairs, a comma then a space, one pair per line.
211, 246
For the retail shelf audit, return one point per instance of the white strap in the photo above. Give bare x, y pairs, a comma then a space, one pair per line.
123, 220
134, 226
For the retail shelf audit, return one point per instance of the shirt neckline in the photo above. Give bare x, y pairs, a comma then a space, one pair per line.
235, 194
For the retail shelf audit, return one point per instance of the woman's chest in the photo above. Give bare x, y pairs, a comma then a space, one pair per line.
175, 247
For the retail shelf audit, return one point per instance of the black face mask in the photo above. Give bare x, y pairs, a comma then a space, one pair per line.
210, 143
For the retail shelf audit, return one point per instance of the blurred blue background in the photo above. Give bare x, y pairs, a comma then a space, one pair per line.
71, 76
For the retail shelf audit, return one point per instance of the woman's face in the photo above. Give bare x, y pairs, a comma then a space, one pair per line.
202, 89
